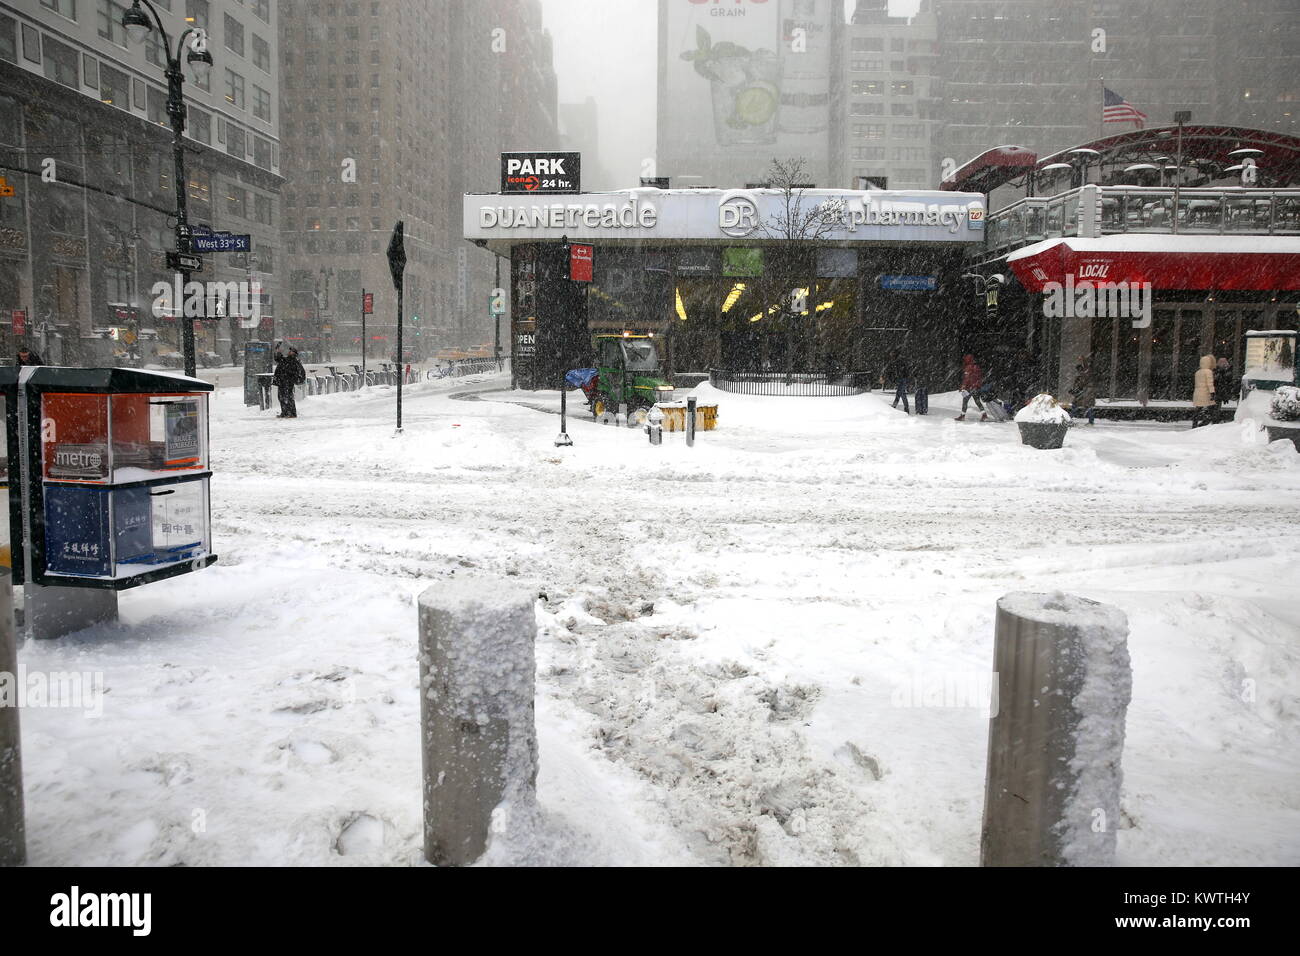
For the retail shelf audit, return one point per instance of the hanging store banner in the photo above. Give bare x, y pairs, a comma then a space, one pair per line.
580, 260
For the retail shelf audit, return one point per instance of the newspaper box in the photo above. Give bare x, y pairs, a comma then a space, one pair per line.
107, 476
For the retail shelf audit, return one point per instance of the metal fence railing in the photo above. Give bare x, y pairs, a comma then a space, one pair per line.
337, 378
800, 384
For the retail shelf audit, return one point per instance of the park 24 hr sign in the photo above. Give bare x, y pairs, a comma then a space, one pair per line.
541, 172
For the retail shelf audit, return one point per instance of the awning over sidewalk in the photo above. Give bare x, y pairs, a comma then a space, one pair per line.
1223, 263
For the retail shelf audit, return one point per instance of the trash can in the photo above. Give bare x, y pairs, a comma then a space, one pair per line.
265, 385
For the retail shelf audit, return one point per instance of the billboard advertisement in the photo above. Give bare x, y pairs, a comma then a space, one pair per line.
741, 82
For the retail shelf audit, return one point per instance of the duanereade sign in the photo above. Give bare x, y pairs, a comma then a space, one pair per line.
716, 214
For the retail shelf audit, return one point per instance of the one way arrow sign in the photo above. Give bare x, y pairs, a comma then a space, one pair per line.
397, 255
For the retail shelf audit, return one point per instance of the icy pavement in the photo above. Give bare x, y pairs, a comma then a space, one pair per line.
765, 649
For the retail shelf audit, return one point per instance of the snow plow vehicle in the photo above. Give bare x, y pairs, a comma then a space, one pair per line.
628, 372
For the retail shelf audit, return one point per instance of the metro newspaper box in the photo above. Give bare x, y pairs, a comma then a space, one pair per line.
107, 475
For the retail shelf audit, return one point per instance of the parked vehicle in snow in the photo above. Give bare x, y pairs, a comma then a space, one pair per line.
628, 371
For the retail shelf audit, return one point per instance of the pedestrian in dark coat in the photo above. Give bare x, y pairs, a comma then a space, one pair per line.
27, 357
1225, 389
921, 381
288, 373
897, 371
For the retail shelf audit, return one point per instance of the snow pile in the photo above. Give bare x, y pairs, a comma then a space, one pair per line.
1285, 406
1043, 410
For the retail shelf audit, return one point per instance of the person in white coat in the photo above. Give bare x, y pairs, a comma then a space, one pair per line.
1203, 392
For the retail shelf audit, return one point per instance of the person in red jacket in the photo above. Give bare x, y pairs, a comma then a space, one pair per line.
972, 380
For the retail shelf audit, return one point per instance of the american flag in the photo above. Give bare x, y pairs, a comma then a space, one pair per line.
1116, 109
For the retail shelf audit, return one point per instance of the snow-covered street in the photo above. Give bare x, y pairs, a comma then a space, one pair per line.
766, 649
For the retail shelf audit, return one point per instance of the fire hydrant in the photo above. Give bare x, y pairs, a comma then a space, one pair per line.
654, 425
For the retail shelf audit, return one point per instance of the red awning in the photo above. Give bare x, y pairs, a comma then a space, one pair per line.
990, 169
1210, 263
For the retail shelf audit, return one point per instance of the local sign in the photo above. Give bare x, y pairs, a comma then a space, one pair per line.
541, 172
20, 321
368, 303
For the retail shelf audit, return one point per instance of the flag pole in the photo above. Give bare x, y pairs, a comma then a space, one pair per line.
1101, 119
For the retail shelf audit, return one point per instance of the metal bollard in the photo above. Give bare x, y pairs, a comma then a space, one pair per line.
479, 738
562, 440
690, 420
1056, 738
13, 839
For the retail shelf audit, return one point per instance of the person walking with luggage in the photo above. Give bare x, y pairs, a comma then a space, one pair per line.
897, 371
972, 383
288, 373
1203, 393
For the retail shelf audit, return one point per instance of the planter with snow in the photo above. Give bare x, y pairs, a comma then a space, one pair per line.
1043, 423
1284, 416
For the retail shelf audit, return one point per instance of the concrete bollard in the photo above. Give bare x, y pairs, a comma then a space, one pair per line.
479, 739
1056, 737
13, 840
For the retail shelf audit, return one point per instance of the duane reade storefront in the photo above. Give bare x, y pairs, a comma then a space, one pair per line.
816, 280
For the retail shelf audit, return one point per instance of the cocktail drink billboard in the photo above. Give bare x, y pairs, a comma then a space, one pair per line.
745, 89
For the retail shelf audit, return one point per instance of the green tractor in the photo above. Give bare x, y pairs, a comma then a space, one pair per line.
629, 372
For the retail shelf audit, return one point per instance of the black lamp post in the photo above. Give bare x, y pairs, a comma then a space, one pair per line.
136, 23
1182, 117
322, 307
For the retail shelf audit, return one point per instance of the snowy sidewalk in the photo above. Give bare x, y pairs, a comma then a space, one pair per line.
765, 649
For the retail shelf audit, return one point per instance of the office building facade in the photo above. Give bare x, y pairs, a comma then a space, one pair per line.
85, 146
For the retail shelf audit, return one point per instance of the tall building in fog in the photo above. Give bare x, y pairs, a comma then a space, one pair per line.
580, 132
1030, 72
393, 110
884, 111
741, 84
80, 103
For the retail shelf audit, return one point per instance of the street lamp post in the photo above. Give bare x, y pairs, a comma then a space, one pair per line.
136, 23
322, 307
1181, 117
